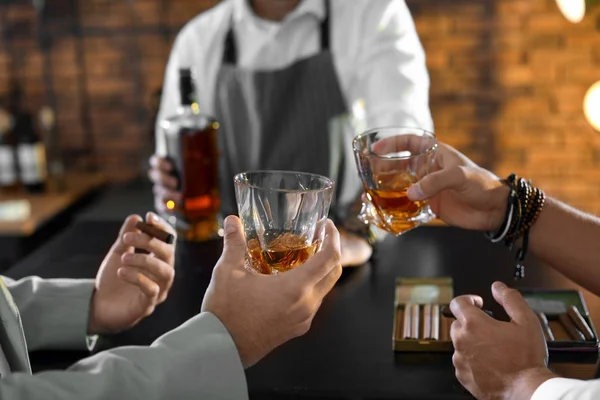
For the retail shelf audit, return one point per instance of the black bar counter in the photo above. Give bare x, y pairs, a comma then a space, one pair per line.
348, 352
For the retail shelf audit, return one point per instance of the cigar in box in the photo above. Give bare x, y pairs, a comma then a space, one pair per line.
419, 324
564, 324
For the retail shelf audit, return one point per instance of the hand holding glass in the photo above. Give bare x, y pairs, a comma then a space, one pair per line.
389, 161
283, 214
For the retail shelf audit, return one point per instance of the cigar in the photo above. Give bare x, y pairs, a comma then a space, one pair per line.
570, 327
435, 322
445, 329
426, 321
546, 327
578, 319
155, 232
407, 319
447, 312
415, 322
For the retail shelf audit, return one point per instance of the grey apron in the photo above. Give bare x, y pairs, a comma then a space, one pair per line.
282, 119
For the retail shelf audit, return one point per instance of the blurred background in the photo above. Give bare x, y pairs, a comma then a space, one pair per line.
508, 83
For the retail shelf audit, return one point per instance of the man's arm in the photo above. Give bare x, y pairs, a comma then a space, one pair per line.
465, 195
198, 360
54, 312
567, 239
391, 79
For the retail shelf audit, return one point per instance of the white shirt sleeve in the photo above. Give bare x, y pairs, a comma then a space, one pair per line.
168, 98
391, 79
567, 389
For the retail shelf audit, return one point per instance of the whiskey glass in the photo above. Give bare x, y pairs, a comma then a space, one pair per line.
389, 161
283, 214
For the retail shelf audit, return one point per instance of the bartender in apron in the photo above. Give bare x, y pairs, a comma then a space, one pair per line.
291, 111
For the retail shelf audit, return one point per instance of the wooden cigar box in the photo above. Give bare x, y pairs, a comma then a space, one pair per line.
423, 293
553, 303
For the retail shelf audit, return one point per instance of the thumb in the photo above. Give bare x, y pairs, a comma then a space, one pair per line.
436, 182
513, 303
234, 249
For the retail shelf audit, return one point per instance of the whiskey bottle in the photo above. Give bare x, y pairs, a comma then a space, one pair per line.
191, 142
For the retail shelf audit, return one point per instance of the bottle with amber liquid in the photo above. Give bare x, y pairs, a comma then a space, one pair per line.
191, 141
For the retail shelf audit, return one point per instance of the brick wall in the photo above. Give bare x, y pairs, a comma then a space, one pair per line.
508, 81
98, 64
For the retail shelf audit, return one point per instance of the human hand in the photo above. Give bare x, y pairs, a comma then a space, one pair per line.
461, 193
165, 184
495, 359
262, 312
355, 250
130, 285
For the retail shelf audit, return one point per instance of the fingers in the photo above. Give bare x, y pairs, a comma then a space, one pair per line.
513, 303
160, 249
152, 268
328, 282
163, 179
161, 173
467, 306
161, 164
150, 288
128, 226
160, 223
434, 183
449, 157
234, 248
321, 264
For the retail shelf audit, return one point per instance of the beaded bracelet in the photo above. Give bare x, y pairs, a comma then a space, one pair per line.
525, 203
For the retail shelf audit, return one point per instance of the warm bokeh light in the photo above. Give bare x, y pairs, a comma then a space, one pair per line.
573, 10
170, 204
591, 105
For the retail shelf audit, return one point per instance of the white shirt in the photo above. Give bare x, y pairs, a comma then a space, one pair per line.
378, 57
567, 389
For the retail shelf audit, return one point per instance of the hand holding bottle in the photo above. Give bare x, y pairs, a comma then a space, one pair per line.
165, 183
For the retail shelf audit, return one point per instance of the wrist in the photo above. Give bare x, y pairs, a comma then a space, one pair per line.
524, 385
250, 351
92, 328
499, 207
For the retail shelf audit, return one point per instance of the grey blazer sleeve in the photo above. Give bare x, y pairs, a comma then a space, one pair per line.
54, 312
198, 360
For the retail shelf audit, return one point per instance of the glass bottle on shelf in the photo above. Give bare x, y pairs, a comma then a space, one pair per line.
9, 181
31, 155
191, 143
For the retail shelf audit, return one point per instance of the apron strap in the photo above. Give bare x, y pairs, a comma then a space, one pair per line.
230, 50
230, 53
325, 27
